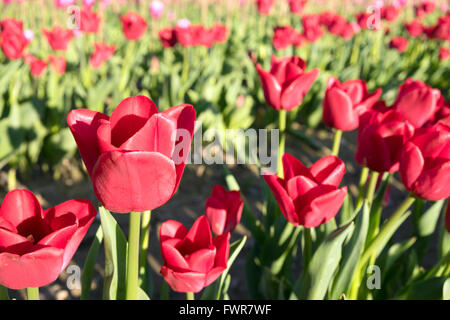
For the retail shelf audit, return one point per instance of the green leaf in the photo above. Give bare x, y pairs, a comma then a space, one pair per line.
347, 212
115, 257
142, 295
351, 254
91, 260
446, 290
427, 221
219, 288
324, 263
428, 289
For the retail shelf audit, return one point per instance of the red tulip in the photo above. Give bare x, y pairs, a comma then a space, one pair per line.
296, 6
58, 64
192, 259
13, 43
89, 21
37, 66
58, 38
36, 245
102, 53
204, 37
381, 136
444, 53
167, 37
417, 102
284, 37
414, 28
220, 33
133, 26
311, 27
424, 8
287, 82
345, 102
390, 13
134, 157
399, 43
224, 210
309, 197
425, 163
368, 21
440, 31
11, 25
264, 6
185, 36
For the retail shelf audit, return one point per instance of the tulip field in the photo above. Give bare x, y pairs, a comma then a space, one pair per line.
225, 149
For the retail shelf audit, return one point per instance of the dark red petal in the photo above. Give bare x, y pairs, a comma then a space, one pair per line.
329, 170
200, 234
19, 206
292, 96
411, 165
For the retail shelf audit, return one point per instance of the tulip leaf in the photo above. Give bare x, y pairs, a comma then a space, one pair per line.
116, 247
347, 212
446, 290
324, 263
428, 289
351, 254
142, 295
427, 221
91, 260
219, 288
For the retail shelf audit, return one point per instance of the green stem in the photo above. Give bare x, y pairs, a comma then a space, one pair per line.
282, 127
307, 247
4, 293
372, 248
133, 256
190, 296
372, 185
362, 186
145, 231
337, 142
33, 293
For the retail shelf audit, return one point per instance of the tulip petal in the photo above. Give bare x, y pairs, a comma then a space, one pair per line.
222, 244
83, 124
34, 269
133, 181
173, 259
271, 88
338, 110
432, 184
298, 186
328, 171
183, 281
172, 229
129, 117
199, 236
20, 206
217, 216
355, 89
13, 243
292, 167
411, 164
292, 95
417, 106
202, 260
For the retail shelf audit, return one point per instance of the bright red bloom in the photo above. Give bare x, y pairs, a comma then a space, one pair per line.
133, 25
399, 43
58, 64
58, 38
220, 32
224, 210
36, 245
440, 31
264, 6
414, 28
425, 163
344, 103
381, 136
192, 259
284, 37
296, 6
186, 35
444, 53
89, 21
309, 196
167, 37
417, 102
102, 53
390, 13
11, 25
312, 30
203, 36
424, 8
368, 21
286, 84
12, 43
136, 157
37, 66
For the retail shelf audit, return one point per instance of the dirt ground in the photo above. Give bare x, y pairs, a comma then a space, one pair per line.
188, 204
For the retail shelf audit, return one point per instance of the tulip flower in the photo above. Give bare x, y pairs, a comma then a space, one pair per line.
224, 210
381, 136
344, 103
414, 28
133, 25
11, 25
58, 64
192, 259
102, 53
444, 53
296, 6
399, 43
312, 30
309, 196
89, 21
425, 163
284, 37
264, 6
417, 102
58, 38
390, 13
167, 37
37, 66
134, 158
220, 32
286, 84
36, 245
13, 44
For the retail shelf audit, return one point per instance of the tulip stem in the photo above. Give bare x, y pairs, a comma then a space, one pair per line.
133, 256
190, 296
32, 293
307, 247
145, 231
337, 142
4, 293
372, 185
362, 186
282, 127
